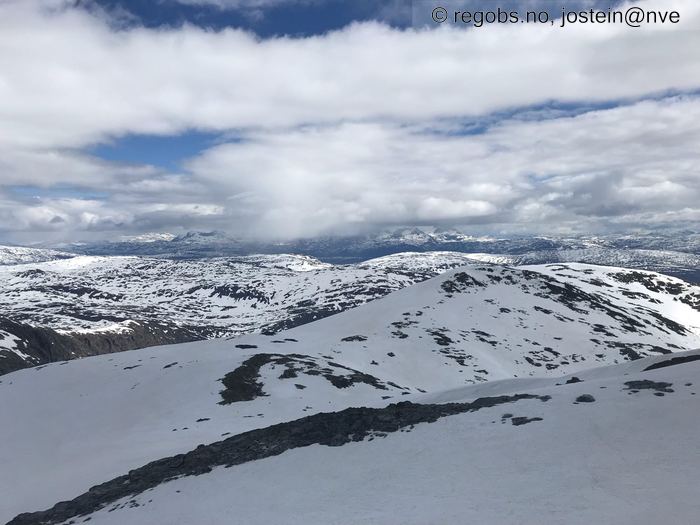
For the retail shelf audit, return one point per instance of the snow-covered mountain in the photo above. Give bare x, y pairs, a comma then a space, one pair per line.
677, 264
90, 305
673, 253
362, 247
88, 421
20, 255
149, 237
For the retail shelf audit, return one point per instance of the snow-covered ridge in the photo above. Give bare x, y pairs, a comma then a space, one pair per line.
655, 260
10, 255
685, 265
148, 237
438, 260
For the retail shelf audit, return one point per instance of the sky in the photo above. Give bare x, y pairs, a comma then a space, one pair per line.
281, 119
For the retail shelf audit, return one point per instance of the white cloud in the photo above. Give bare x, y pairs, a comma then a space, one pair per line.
349, 129
68, 79
563, 174
602, 165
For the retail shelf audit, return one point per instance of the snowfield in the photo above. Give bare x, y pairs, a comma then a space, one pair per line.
84, 422
611, 445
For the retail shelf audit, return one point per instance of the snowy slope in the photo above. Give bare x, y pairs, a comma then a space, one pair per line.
470, 325
611, 445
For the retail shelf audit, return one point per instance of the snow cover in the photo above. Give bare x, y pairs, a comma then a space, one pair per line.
434, 260
20, 255
229, 295
625, 458
148, 237
663, 261
656, 260
225, 296
9, 342
123, 327
83, 422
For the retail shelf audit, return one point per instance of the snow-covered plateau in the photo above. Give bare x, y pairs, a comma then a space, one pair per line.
87, 305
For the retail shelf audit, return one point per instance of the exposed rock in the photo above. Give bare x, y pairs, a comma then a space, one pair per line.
333, 429
646, 384
244, 384
673, 361
585, 398
44, 345
517, 421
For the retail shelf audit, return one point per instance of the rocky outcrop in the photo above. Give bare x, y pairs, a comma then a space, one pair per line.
37, 345
332, 429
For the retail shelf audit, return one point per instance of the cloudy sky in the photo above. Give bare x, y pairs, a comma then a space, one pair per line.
296, 118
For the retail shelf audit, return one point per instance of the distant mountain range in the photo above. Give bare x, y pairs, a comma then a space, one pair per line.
676, 254
362, 247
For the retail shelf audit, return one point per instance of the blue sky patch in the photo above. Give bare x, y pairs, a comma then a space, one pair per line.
164, 151
297, 19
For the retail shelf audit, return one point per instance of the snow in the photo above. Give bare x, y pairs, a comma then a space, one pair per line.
148, 237
10, 342
113, 328
671, 307
231, 295
220, 296
626, 458
78, 423
300, 263
11, 255
435, 260
656, 260
673, 262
